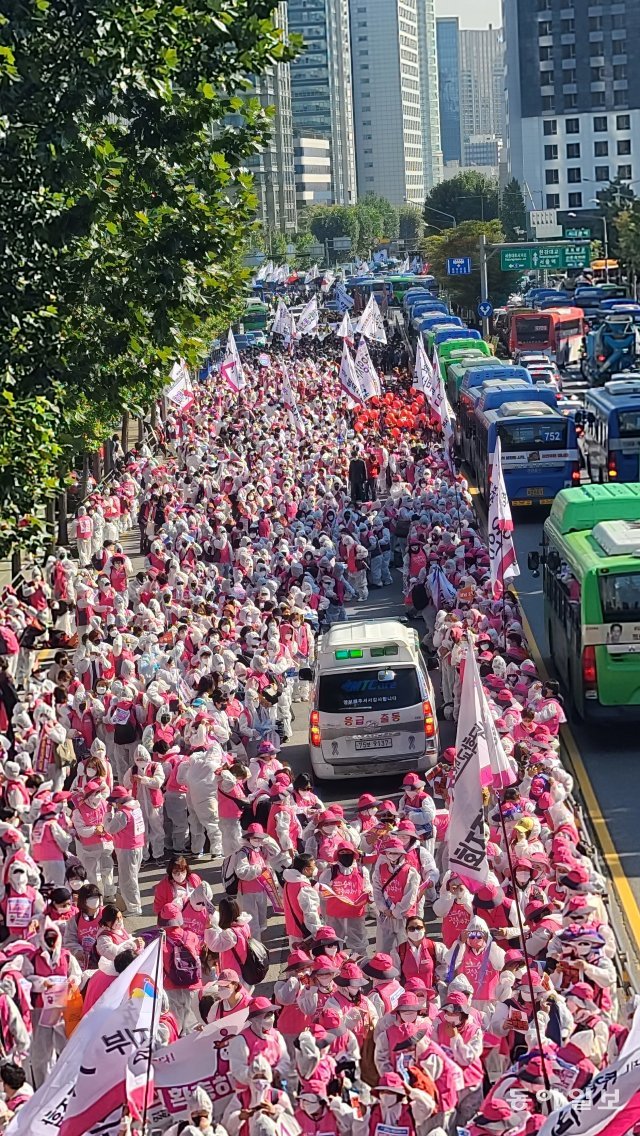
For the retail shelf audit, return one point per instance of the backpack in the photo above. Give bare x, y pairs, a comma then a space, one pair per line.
254, 968
126, 732
184, 969
229, 879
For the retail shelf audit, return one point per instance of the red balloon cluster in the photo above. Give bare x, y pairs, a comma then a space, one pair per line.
400, 412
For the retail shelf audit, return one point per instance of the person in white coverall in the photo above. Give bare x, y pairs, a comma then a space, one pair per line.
202, 798
125, 823
145, 780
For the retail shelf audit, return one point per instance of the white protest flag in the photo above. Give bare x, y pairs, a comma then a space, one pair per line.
87, 1082
344, 301
472, 770
504, 770
405, 266
308, 319
502, 553
348, 378
284, 323
371, 323
311, 274
231, 368
423, 371
180, 390
367, 375
293, 410
345, 331
439, 394
611, 1101
196, 1059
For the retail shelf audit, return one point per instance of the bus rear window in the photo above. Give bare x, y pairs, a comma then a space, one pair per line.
369, 689
540, 435
629, 423
532, 330
620, 597
569, 327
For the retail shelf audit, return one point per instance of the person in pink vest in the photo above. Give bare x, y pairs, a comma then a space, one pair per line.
259, 1038
319, 1113
386, 988
400, 1025
94, 845
419, 955
177, 886
457, 1029
49, 845
301, 900
396, 1108
225, 996
480, 959
83, 536
395, 893
125, 823
145, 780
52, 968
228, 935
21, 904
321, 986
249, 863
346, 890
231, 798
358, 1011
16, 1089
454, 906
81, 932
16, 794
292, 1019
182, 969
175, 799
282, 823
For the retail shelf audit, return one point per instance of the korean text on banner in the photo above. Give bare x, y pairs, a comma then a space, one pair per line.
472, 770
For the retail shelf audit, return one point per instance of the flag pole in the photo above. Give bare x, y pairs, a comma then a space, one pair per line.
152, 1029
527, 958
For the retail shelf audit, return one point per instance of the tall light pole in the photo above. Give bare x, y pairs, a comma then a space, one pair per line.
442, 213
605, 228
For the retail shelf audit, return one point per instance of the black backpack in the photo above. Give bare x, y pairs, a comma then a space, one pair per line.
255, 966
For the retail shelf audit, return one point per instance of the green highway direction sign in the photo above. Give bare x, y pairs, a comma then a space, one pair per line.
577, 234
545, 256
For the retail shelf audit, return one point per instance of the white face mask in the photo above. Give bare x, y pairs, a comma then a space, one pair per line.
583, 949
255, 843
330, 952
393, 860
450, 1017
260, 1085
525, 995
388, 1100
94, 800
75, 885
224, 991
92, 904
310, 1107
416, 935
324, 981
179, 877
408, 1015
523, 877
264, 1024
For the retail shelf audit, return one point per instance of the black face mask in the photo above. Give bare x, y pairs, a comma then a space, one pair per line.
346, 859
51, 940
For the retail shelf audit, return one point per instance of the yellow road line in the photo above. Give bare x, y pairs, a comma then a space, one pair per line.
623, 889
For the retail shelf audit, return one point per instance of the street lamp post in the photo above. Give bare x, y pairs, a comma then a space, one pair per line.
605, 229
442, 214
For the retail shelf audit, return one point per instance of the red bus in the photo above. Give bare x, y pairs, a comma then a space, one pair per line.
558, 332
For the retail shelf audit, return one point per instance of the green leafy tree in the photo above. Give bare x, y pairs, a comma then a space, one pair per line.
628, 229
326, 222
614, 200
411, 225
126, 130
468, 197
513, 215
464, 241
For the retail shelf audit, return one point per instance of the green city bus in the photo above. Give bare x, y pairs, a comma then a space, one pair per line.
456, 368
255, 316
591, 562
402, 282
450, 349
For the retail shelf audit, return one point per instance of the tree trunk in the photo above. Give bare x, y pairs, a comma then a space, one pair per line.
50, 515
140, 430
16, 563
86, 470
154, 414
63, 530
125, 431
108, 464
96, 466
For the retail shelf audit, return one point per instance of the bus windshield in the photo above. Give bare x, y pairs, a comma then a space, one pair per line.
533, 435
620, 597
533, 330
629, 423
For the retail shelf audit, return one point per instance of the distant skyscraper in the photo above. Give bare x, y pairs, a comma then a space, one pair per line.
573, 99
387, 99
272, 168
312, 154
321, 87
448, 31
482, 104
430, 102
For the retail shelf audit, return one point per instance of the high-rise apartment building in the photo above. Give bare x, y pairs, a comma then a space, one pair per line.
573, 98
387, 99
321, 86
482, 82
429, 97
448, 53
312, 157
272, 168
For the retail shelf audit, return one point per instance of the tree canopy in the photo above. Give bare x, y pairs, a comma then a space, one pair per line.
367, 224
513, 215
125, 207
470, 196
464, 241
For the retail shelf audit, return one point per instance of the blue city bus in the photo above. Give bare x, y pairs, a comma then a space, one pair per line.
494, 394
497, 390
611, 439
476, 376
423, 292
362, 287
430, 308
539, 451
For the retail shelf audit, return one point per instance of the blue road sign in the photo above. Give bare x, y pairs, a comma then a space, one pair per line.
485, 309
459, 266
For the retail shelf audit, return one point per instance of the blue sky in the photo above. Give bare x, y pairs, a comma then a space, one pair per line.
472, 13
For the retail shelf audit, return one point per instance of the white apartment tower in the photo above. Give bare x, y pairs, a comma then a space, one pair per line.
387, 101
